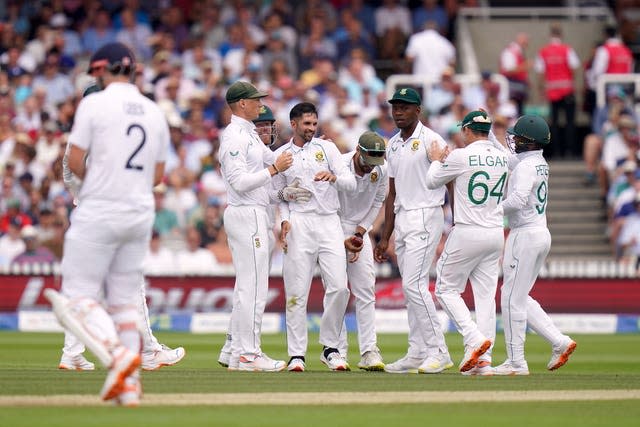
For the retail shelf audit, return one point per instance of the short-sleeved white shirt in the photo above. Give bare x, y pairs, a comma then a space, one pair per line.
408, 164
125, 135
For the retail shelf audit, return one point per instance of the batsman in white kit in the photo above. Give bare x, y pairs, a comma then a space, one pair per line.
123, 137
358, 211
474, 245
154, 354
526, 248
414, 213
312, 234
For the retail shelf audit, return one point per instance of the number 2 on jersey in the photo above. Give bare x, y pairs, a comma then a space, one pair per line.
496, 191
143, 138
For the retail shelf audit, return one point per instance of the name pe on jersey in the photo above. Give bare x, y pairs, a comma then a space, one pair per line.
542, 170
487, 160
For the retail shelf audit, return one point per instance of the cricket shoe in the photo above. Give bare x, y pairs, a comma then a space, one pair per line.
435, 364
75, 363
334, 360
260, 363
125, 362
224, 358
131, 392
560, 355
406, 365
482, 369
296, 364
472, 355
371, 361
510, 368
152, 360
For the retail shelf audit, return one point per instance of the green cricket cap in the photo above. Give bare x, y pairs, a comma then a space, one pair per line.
477, 120
266, 115
242, 90
406, 95
372, 148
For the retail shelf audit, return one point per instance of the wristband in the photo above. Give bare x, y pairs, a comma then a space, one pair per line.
360, 235
275, 168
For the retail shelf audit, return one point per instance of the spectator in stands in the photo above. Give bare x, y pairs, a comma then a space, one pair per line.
62, 26
195, 57
629, 240
135, 34
316, 43
392, 29
618, 147
306, 11
430, 11
11, 244
208, 25
195, 259
613, 57
55, 243
34, 252
58, 86
159, 260
442, 93
99, 32
166, 220
172, 22
556, 62
48, 146
350, 126
28, 118
210, 224
352, 35
430, 53
277, 50
515, 67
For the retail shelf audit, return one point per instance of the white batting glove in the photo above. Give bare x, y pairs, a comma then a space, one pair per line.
294, 193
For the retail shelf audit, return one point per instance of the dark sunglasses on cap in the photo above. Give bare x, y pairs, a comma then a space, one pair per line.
372, 153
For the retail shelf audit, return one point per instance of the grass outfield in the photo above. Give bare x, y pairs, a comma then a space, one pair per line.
601, 363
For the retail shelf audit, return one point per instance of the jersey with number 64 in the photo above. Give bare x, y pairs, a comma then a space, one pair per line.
480, 173
125, 135
526, 201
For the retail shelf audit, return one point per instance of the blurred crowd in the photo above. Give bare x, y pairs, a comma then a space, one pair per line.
328, 52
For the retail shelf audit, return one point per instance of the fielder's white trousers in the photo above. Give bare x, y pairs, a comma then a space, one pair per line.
362, 282
417, 233
525, 252
248, 231
314, 239
471, 253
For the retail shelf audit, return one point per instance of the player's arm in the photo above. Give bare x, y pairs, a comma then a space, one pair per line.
76, 161
345, 179
378, 201
443, 170
523, 179
234, 166
158, 173
389, 220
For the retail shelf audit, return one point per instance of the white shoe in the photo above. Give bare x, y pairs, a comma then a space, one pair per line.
482, 369
510, 368
406, 365
166, 356
435, 364
260, 363
125, 362
224, 358
560, 355
334, 361
296, 365
472, 354
371, 361
234, 362
77, 363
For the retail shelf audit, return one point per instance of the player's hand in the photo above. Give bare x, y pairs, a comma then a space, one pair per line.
294, 193
353, 243
380, 251
436, 152
325, 176
285, 227
353, 257
284, 161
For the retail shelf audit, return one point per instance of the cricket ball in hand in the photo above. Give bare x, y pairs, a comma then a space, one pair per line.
356, 241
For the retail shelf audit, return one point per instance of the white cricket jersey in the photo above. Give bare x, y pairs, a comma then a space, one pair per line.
408, 164
527, 191
480, 172
244, 162
125, 135
361, 207
315, 156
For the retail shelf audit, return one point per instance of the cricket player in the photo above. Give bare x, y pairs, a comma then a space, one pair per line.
474, 245
526, 249
154, 354
248, 167
311, 233
127, 137
415, 213
357, 212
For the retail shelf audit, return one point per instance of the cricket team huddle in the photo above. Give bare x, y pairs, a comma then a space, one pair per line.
326, 202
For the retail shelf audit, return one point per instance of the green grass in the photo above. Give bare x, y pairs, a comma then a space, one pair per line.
28, 367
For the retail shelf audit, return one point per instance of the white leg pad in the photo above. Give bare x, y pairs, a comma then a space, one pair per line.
88, 321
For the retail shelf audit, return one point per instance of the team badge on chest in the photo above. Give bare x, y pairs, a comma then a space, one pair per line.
374, 176
257, 242
415, 144
319, 156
